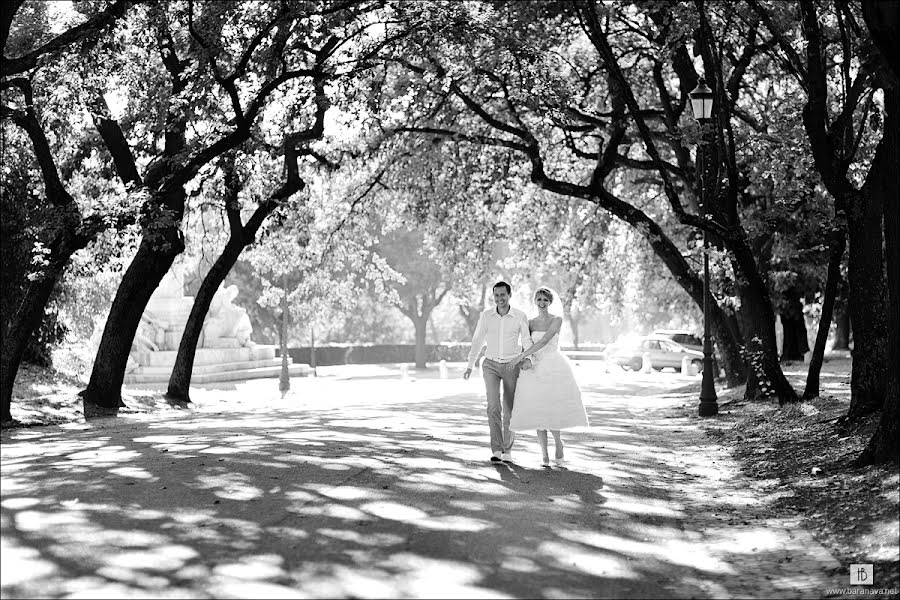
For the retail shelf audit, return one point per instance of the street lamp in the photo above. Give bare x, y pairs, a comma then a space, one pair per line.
702, 106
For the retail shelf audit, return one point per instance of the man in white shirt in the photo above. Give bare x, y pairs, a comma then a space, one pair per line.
505, 331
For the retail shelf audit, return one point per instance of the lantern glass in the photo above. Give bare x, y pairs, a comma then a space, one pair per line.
702, 101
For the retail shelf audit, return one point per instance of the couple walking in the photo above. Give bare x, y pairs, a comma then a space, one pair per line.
523, 357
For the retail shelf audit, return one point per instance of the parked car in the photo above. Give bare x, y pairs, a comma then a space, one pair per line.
680, 336
693, 342
663, 353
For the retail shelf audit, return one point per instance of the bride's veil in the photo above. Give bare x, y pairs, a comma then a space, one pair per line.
555, 307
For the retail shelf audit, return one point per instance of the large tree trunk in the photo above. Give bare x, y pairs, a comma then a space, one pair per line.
284, 379
241, 236
841, 325
28, 318
758, 318
72, 233
751, 391
154, 258
312, 350
574, 323
885, 443
884, 446
864, 216
838, 242
421, 325
867, 303
161, 242
793, 324
180, 379
726, 331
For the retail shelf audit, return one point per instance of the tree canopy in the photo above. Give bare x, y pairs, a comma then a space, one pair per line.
337, 154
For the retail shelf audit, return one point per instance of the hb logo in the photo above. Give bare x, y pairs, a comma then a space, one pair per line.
862, 575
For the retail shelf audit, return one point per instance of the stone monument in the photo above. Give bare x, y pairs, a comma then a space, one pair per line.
225, 351
226, 325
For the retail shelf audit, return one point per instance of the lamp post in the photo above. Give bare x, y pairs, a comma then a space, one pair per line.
702, 105
284, 380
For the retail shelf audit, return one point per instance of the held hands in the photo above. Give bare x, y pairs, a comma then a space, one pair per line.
523, 363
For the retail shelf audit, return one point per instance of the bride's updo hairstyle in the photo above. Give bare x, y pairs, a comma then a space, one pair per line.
555, 308
546, 291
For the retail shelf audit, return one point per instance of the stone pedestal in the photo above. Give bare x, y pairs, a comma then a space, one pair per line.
174, 312
215, 365
224, 353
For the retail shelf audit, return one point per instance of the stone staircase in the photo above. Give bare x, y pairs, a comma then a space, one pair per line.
213, 365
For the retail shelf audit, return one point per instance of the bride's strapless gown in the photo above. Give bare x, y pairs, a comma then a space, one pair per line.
547, 395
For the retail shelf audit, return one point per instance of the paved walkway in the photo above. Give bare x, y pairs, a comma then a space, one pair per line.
379, 488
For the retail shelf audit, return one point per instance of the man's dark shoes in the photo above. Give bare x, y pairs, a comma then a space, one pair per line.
495, 457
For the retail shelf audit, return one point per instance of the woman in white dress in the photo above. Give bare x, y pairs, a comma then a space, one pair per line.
547, 395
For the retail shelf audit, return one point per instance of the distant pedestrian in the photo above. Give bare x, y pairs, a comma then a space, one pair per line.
504, 330
548, 397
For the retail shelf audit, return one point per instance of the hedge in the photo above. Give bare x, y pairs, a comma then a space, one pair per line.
373, 354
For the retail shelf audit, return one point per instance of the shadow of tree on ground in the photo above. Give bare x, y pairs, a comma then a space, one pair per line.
382, 489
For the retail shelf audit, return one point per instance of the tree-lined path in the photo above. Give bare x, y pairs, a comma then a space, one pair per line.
379, 487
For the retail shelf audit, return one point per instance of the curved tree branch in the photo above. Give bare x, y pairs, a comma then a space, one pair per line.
594, 31
20, 64
115, 141
789, 57
7, 14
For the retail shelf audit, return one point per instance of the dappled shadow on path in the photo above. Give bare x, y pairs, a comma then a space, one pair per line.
370, 489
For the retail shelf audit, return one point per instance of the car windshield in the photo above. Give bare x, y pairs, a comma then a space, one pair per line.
686, 338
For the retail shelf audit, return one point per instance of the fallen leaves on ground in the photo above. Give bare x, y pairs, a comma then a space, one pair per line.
806, 460
50, 397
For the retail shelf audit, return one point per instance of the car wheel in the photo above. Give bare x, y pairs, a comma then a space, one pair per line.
635, 364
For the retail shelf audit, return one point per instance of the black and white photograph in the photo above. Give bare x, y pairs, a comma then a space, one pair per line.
413, 299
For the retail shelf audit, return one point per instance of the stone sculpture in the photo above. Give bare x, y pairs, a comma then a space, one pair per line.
227, 325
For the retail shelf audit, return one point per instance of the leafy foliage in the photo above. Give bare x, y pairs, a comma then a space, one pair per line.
317, 250
22, 246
